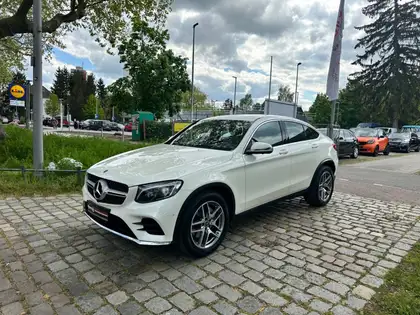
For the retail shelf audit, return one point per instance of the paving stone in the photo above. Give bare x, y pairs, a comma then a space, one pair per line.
130, 307
271, 311
224, 308
106, 310
34, 298
15, 308
4, 284
158, 305
229, 293
144, 295
206, 296
296, 294
58, 266
203, 310
42, 309
59, 300
372, 281
337, 287
148, 276
293, 309
231, 278
163, 287
94, 276
183, 301
249, 304
272, 298
320, 306
251, 287
210, 282
89, 302
355, 302
68, 310
187, 285
324, 294
342, 310
363, 292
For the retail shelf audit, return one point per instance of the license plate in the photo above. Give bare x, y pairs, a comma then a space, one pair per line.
97, 211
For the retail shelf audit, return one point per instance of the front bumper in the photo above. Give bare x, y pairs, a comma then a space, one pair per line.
367, 148
145, 224
399, 146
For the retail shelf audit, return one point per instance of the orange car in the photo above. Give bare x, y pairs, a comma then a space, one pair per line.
372, 141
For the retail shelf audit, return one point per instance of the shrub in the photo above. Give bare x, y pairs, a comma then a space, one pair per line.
158, 130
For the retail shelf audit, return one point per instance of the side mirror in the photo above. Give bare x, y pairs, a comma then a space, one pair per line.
260, 148
381, 137
341, 138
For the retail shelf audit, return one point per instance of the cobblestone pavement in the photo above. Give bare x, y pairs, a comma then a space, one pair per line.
284, 259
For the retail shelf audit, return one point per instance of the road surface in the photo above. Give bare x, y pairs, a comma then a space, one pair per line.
388, 179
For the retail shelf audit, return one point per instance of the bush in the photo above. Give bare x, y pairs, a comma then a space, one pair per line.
16, 148
158, 130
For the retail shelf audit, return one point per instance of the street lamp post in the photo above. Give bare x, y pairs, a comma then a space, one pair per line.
296, 87
192, 73
234, 95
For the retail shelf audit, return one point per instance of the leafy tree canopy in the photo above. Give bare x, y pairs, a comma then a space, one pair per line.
246, 102
320, 110
199, 98
284, 94
106, 20
52, 105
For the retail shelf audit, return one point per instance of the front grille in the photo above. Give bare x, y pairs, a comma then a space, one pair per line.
117, 194
362, 142
114, 223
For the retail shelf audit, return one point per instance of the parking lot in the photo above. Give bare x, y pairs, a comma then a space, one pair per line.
284, 258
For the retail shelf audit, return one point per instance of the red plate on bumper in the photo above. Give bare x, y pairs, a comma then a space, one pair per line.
98, 211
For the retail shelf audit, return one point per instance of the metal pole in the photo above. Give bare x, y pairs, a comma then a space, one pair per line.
331, 127
296, 88
28, 106
192, 73
38, 145
113, 113
271, 73
61, 115
97, 113
234, 96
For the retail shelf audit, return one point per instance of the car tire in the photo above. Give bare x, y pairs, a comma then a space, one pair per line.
376, 151
314, 196
417, 149
407, 150
194, 243
355, 153
387, 150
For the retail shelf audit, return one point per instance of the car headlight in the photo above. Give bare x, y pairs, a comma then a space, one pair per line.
371, 141
406, 141
157, 191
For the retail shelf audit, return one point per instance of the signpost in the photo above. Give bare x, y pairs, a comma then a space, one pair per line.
17, 95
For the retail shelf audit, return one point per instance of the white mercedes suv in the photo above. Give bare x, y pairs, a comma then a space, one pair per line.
188, 189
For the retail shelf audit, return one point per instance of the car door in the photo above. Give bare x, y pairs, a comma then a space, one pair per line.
382, 139
303, 150
414, 141
267, 176
343, 147
349, 141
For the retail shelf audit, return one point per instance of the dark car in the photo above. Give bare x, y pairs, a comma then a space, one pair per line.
404, 141
346, 142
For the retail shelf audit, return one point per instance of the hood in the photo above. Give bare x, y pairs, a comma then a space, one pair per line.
398, 135
365, 139
157, 163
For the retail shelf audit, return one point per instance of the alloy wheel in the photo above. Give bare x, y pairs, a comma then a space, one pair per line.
207, 224
325, 186
355, 152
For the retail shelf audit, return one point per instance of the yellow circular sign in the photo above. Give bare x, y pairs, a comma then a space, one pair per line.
17, 91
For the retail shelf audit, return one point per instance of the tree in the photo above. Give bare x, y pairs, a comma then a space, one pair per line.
321, 110
107, 20
89, 109
77, 94
284, 94
52, 105
121, 96
157, 76
390, 60
246, 102
101, 92
90, 86
228, 104
257, 106
199, 98
61, 86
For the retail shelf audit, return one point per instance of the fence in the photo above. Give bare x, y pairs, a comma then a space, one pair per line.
79, 172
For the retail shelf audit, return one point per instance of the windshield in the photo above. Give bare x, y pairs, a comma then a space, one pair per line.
214, 134
365, 132
324, 131
400, 135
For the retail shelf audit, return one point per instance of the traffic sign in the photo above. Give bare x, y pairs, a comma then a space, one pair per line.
17, 103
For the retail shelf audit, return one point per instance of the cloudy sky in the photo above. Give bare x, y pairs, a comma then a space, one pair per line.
237, 38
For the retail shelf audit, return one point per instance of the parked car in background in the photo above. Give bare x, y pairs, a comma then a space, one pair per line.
129, 126
345, 140
411, 128
190, 188
389, 130
404, 141
368, 125
372, 141
66, 123
92, 124
4, 120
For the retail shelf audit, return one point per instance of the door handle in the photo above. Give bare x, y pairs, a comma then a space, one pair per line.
314, 146
283, 152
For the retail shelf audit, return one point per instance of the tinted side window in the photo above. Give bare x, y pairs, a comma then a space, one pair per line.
310, 133
347, 134
295, 131
269, 133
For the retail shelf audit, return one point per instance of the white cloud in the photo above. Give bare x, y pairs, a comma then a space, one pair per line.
238, 38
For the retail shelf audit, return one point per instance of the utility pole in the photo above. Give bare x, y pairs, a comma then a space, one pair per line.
234, 95
271, 74
192, 73
28, 104
38, 144
296, 89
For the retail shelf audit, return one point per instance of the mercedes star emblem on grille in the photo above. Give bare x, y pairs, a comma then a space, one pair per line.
100, 190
